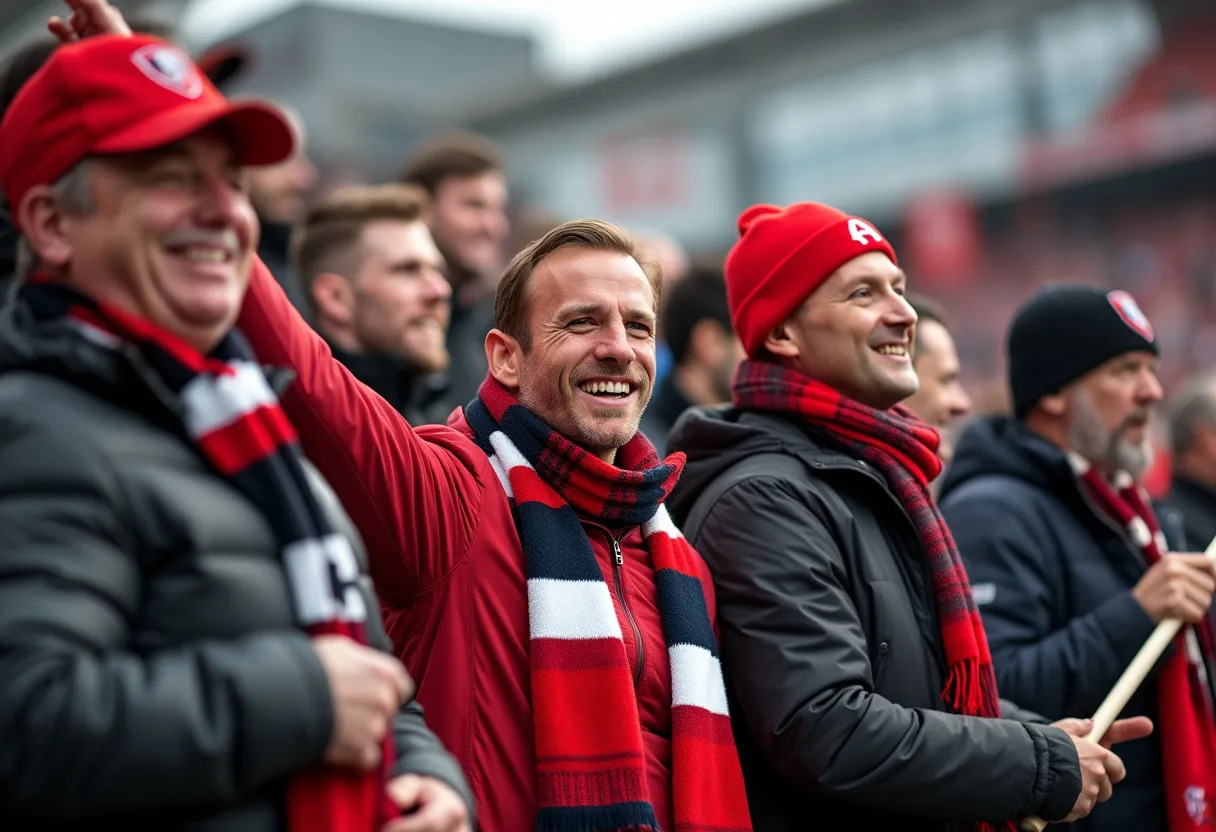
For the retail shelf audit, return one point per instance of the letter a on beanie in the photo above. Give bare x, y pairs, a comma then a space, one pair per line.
784, 254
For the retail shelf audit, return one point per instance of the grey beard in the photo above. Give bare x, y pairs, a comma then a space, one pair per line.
1090, 438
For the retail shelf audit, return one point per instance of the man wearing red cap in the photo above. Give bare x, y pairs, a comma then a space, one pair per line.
185, 623
856, 661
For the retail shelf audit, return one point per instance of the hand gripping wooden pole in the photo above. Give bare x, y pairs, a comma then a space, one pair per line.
1128, 684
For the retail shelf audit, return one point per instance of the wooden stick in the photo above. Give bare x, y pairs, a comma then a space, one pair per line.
1128, 684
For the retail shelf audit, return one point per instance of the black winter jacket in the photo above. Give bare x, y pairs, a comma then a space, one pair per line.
831, 647
420, 397
151, 676
1055, 578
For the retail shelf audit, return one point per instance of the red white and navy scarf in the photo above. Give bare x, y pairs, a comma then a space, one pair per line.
1184, 693
232, 415
591, 768
904, 450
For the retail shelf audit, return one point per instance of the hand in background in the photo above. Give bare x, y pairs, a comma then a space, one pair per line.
88, 19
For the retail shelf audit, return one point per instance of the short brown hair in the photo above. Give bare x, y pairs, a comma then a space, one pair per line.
511, 299
328, 238
456, 155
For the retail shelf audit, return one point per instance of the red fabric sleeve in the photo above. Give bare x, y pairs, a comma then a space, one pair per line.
415, 500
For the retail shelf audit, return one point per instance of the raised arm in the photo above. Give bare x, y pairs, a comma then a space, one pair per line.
415, 501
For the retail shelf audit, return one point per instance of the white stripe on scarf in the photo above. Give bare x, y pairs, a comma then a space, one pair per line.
213, 402
307, 562
696, 679
571, 610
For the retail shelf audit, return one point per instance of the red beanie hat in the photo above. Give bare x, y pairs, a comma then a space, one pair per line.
783, 255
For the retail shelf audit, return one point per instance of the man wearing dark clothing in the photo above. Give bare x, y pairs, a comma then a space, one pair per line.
860, 683
188, 638
696, 326
380, 296
1193, 440
463, 176
1070, 563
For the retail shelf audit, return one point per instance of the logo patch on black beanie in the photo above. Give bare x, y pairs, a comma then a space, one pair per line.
1129, 311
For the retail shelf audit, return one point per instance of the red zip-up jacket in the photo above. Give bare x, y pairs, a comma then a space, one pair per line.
449, 568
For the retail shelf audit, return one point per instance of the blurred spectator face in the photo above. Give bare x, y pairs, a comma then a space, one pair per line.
589, 370
940, 400
401, 294
854, 333
469, 220
670, 256
280, 192
719, 350
170, 237
1108, 412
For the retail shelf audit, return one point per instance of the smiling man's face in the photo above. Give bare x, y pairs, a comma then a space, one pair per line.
170, 238
589, 369
854, 333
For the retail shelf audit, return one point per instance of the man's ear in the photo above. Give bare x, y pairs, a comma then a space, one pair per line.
43, 223
504, 355
334, 297
1055, 404
780, 342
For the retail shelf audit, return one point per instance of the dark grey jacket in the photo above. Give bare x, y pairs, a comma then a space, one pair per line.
150, 673
831, 647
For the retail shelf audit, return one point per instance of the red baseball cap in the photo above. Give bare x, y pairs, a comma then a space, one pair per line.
114, 94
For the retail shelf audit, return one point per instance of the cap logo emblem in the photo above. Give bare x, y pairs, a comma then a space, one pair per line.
170, 68
863, 233
1129, 311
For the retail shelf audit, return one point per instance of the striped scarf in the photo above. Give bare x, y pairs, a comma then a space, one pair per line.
1184, 693
229, 411
591, 773
904, 450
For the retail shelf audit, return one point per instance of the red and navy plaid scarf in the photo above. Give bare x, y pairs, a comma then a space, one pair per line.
229, 411
904, 450
591, 769
1185, 712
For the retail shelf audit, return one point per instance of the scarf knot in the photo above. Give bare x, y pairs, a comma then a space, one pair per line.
593, 778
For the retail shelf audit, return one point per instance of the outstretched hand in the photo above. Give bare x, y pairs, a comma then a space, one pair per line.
88, 19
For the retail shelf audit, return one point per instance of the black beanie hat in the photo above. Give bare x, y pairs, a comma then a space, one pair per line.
1065, 331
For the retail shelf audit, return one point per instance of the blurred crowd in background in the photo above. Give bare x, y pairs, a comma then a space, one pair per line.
1000, 146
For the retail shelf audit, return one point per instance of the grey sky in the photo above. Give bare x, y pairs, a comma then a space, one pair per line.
577, 38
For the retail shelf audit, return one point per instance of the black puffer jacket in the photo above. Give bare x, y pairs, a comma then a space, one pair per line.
150, 674
1056, 579
831, 648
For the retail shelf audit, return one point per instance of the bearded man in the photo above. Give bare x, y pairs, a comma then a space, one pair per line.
1070, 566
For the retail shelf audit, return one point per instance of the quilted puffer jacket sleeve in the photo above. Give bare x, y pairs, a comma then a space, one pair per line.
89, 726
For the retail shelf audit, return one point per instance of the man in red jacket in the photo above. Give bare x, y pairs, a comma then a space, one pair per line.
558, 625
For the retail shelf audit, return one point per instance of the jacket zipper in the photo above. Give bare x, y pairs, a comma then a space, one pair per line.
618, 562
